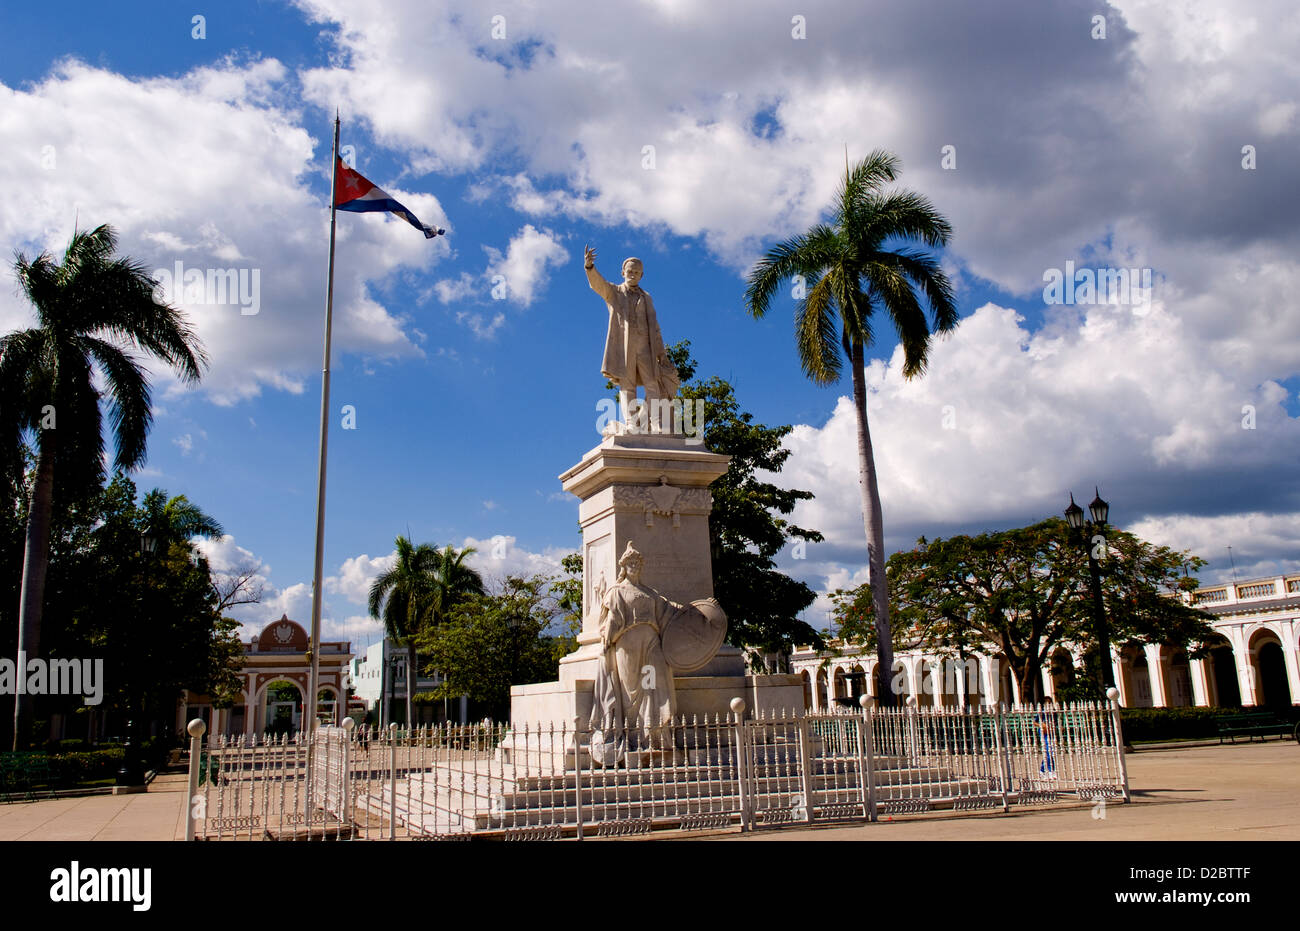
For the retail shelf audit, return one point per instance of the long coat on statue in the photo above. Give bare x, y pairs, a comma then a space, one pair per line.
624, 305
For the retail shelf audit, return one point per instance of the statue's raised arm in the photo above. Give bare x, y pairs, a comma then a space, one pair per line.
597, 281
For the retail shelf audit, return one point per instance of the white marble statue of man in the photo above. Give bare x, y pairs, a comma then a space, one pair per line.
634, 684
634, 348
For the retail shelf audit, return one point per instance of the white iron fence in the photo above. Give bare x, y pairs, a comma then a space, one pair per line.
559, 780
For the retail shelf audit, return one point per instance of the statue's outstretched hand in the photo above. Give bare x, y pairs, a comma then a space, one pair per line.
588, 256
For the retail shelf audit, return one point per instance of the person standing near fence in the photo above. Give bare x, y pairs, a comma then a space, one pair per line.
1048, 766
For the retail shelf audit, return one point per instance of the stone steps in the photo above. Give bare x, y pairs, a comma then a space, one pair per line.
429, 803
532, 776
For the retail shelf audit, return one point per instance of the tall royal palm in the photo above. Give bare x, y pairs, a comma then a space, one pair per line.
851, 267
92, 310
417, 591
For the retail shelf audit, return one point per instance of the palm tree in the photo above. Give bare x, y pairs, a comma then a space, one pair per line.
400, 597
453, 581
850, 270
417, 591
176, 519
91, 309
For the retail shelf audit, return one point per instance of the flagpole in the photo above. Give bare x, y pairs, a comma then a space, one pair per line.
317, 576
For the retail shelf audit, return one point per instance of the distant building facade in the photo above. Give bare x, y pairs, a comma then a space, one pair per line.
373, 688
1254, 661
275, 678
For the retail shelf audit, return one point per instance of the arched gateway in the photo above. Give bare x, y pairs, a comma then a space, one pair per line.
274, 679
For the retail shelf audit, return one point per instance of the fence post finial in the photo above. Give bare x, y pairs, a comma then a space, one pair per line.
196, 730
1112, 693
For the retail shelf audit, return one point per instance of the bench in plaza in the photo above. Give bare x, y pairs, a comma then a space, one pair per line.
1261, 722
23, 773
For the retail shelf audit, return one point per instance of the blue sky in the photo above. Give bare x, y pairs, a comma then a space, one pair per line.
1122, 150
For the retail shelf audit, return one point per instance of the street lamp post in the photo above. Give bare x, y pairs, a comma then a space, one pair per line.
131, 772
394, 662
1093, 534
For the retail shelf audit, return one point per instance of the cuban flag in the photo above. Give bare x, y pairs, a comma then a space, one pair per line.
355, 193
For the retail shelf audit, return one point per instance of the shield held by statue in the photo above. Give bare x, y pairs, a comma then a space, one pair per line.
692, 636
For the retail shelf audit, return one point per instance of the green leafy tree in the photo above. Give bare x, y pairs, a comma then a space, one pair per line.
748, 525
567, 591
165, 635
92, 309
152, 618
1024, 592
850, 269
454, 580
489, 642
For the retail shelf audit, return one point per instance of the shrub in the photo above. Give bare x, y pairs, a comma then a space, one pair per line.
1143, 724
86, 766
30, 770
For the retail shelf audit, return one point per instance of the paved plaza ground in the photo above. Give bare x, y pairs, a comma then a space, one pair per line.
1241, 792
158, 814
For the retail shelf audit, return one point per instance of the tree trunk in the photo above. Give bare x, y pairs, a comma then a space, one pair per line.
1031, 681
36, 559
410, 681
873, 523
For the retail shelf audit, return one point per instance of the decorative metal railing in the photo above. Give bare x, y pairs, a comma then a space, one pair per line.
567, 780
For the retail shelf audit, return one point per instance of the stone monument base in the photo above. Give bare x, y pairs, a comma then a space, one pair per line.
543, 715
557, 703
581, 664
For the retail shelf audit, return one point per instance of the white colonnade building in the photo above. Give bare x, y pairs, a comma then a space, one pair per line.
1253, 661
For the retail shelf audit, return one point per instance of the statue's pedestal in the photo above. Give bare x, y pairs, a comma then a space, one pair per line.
651, 490
562, 703
545, 716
